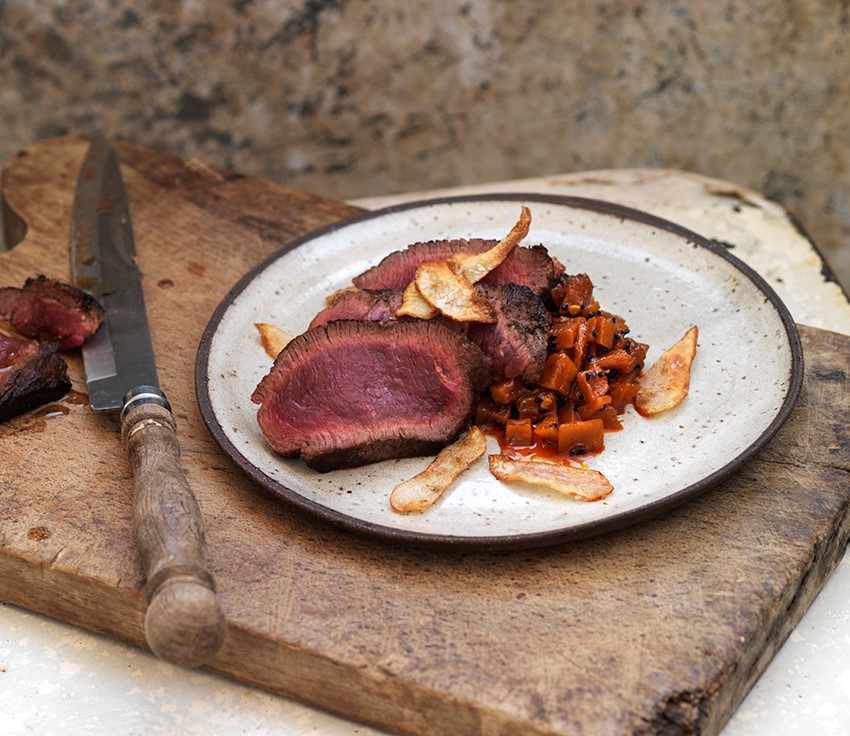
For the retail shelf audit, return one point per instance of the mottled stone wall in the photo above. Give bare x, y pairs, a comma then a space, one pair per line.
349, 98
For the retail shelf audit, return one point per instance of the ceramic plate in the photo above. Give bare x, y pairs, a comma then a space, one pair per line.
659, 276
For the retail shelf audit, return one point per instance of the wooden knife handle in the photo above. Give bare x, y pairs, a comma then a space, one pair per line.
184, 623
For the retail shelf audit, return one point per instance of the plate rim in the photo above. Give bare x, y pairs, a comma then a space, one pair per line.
518, 541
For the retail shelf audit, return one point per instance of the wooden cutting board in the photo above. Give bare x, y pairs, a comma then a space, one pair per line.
661, 628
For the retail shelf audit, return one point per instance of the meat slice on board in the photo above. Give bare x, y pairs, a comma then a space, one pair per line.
31, 374
49, 310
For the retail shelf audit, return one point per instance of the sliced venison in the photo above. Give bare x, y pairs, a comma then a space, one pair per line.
398, 268
51, 311
361, 304
356, 392
31, 374
526, 266
532, 267
515, 345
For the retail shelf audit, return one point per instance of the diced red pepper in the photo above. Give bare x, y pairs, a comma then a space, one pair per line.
601, 331
507, 391
536, 404
622, 392
592, 407
573, 291
638, 351
591, 309
558, 373
610, 420
564, 332
580, 438
617, 359
518, 432
592, 384
490, 414
547, 429
567, 414
580, 344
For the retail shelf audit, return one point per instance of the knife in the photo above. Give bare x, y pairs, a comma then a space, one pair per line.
184, 622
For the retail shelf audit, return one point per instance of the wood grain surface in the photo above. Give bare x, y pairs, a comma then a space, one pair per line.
660, 628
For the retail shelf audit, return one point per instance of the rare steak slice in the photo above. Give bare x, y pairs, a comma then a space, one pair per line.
352, 393
527, 266
31, 374
356, 392
532, 267
398, 268
364, 304
516, 344
51, 311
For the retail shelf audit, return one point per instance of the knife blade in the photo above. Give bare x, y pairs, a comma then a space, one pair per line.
184, 622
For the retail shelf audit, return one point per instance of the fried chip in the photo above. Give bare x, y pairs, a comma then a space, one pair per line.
414, 305
475, 266
444, 287
583, 483
666, 383
273, 338
421, 491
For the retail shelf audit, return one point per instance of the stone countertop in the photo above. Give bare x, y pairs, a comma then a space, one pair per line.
56, 679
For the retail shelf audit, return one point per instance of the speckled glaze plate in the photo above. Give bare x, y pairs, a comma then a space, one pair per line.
659, 276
